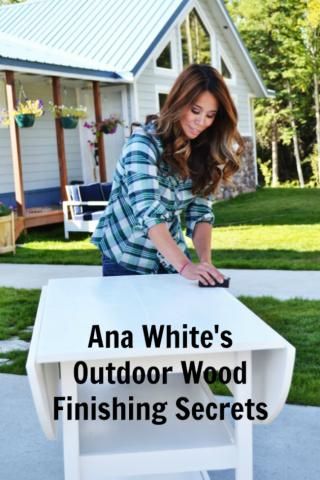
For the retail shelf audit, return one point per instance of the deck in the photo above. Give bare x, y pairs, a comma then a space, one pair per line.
36, 217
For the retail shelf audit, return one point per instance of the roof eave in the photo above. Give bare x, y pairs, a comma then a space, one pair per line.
261, 89
64, 71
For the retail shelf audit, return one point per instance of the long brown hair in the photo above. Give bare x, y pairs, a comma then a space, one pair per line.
215, 154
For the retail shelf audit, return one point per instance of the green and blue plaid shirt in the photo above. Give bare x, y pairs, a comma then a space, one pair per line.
143, 195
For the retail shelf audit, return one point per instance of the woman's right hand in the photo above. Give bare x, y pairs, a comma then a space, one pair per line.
204, 272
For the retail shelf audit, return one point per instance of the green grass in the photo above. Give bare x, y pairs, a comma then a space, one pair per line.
18, 309
47, 245
271, 206
286, 247
271, 228
17, 312
296, 320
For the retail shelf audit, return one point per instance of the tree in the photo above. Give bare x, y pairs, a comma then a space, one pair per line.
7, 2
270, 31
312, 43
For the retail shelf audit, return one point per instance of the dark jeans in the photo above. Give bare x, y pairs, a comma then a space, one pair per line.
112, 269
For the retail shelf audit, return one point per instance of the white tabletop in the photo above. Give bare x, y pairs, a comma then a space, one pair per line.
72, 306
69, 307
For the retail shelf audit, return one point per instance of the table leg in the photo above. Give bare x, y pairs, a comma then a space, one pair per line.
71, 449
243, 427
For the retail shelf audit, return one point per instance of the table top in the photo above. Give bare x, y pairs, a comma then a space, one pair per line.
122, 303
69, 307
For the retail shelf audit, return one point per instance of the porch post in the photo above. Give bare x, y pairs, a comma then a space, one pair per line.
57, 100
15, 145
98, 115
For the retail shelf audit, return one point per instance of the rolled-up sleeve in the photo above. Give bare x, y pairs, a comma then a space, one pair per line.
143, 185
199, 211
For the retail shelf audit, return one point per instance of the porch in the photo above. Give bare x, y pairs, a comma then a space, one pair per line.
36, 217
42, 160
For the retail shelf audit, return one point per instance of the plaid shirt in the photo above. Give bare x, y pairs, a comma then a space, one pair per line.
144, 194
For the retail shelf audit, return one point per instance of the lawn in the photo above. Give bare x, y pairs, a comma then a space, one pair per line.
17, 312
47, 245
271, 228
296, 320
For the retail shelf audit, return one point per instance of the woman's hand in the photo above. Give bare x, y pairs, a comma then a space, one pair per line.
204, 272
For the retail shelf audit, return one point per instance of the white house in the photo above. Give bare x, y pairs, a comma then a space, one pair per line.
133, 50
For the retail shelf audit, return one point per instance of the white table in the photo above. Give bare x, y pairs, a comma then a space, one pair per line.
178, 450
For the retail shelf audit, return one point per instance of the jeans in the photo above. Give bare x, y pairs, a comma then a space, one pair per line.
113, 269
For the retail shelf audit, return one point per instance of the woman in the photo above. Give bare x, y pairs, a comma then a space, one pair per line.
168, 166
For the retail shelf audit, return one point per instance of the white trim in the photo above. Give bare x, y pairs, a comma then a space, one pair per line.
75, 76
161, 89
179, 48
134, 102
3, 100
125, 109
251, 123
251, 98
166, 72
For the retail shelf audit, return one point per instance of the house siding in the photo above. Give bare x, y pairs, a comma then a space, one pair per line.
146, 92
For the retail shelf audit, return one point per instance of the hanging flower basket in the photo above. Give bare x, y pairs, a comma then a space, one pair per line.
108, 125
26, 112
69, 122
107, 129
68, 115
7, 234
25, 120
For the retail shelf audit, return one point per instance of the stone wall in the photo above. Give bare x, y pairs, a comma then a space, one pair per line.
245, 179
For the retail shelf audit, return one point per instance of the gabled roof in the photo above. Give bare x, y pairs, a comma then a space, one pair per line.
102, 35
105, 39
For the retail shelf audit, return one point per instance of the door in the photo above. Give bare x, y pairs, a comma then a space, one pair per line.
114, 102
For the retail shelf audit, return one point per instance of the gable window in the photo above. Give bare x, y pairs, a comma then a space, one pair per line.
225, 70
195, 40
161, 99
165, 58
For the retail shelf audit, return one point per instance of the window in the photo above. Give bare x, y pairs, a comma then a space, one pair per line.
162, 98
165, 60
195, 39
225, 70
